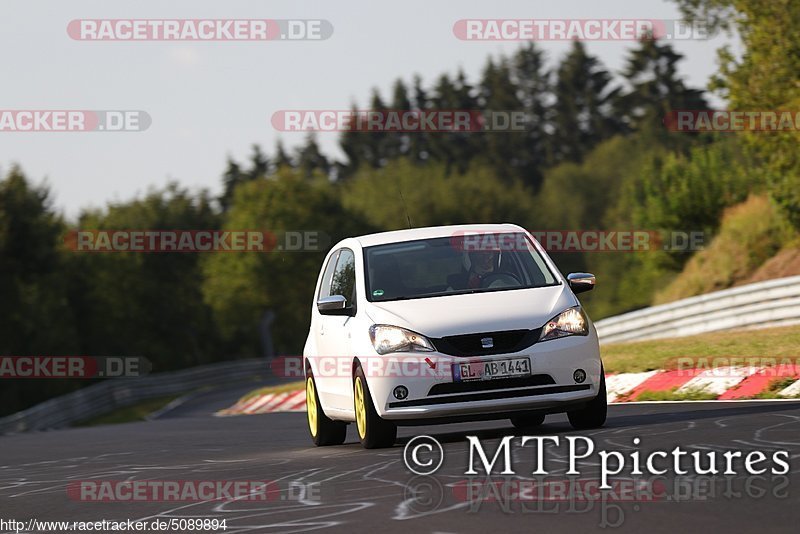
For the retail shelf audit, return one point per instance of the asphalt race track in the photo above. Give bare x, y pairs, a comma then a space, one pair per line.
348, 489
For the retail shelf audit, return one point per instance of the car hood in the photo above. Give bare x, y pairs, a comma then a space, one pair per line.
475, 312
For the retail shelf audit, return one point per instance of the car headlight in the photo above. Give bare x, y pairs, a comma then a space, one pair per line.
570, 322
388, 339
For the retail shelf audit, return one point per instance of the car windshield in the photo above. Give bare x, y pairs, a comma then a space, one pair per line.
454, 265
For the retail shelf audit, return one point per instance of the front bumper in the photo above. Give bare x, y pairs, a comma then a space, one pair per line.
434, 394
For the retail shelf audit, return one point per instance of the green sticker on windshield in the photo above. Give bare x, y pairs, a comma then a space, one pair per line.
377, 293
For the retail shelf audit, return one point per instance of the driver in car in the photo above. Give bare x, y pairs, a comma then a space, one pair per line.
477, 265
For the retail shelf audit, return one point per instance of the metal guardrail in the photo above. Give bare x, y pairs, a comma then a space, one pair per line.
109, 395
763, 304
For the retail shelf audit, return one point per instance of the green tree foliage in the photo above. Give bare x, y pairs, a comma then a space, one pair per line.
281, 159
676, 191
234, 175
669, 194
582, 113
241, 288
311, 160
534, 90
398, 144
145, 304
764, 78
432, 197
36, 317
567, 113
654, 88
454, 149
419, 143
592, 187
585, 197
506, 152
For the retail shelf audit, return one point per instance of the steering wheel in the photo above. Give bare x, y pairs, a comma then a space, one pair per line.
498, 280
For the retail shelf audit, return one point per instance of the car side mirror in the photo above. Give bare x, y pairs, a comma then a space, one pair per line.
334, 305
580, 282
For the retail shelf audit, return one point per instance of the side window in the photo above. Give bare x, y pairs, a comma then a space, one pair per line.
344, 278
325, 286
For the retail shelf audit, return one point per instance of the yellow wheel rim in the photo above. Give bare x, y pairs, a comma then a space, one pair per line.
311, 406
361, 408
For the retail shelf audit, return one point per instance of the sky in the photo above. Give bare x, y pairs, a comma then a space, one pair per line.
212, 100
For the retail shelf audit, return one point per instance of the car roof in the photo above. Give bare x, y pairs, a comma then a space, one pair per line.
413, 234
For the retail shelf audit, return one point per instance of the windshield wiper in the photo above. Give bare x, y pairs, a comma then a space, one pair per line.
436, 294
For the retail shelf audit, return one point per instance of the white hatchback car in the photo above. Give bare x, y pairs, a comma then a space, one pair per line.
448, 324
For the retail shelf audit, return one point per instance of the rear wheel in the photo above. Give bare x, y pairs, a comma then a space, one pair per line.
594, 414
527, 421
324, 431
373, 431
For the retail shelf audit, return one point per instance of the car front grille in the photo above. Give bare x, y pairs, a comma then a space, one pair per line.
503, 342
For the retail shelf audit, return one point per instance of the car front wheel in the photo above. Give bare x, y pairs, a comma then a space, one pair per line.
373, 431
324, 431
594, 414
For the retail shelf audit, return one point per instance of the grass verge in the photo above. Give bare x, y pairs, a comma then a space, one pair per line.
673, 395
770, 343
129, 414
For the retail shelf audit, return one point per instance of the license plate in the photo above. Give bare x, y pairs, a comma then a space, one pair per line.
489, 370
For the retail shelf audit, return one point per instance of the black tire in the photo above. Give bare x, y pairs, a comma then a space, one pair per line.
324, 431
374, 432
594, 414
527, 421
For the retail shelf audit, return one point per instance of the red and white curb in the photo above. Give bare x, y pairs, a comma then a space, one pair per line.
726, 383
290, 401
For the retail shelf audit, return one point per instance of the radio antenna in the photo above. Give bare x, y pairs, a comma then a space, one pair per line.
405, 209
